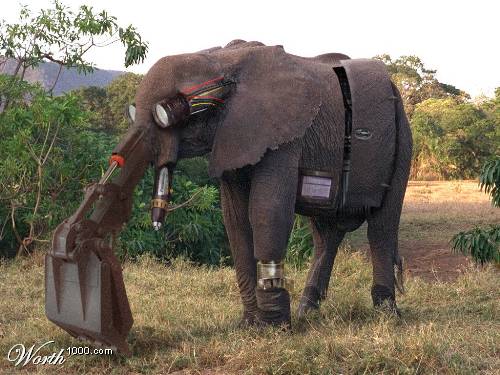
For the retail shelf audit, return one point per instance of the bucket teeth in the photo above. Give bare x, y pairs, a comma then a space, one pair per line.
86, 297
82, 278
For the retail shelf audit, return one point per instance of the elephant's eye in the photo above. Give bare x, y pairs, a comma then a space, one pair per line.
130, 112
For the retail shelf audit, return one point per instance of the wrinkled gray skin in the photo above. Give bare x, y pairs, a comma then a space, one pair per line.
285, 113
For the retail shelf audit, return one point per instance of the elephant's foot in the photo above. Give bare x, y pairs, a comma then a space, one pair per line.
309, 301
384, 300
274, 307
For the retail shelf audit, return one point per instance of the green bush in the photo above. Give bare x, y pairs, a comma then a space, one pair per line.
300, 245
194, 231
47, 156
481, 243
451, 139
489, 180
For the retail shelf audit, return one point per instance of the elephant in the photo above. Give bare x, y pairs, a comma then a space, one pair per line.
279, 116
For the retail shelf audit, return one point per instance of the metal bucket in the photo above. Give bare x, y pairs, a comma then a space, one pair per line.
86, 297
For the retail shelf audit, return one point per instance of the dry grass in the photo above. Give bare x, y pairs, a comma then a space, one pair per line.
450, 204
186, 317
439, 209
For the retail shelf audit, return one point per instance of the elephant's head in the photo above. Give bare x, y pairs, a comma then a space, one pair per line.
271, 100
235, 102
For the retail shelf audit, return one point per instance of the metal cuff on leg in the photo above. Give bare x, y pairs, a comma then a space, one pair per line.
272, 275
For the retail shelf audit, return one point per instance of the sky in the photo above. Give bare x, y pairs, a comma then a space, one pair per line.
460, 39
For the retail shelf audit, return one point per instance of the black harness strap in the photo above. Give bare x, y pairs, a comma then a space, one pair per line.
346, 166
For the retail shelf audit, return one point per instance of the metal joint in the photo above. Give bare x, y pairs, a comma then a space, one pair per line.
272, 275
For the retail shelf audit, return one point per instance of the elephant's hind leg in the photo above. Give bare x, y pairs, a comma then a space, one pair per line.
383, 226
235, 190
326, 238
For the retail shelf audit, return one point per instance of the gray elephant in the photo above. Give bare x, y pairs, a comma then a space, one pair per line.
326, 137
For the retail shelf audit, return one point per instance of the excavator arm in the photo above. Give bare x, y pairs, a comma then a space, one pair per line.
84, 289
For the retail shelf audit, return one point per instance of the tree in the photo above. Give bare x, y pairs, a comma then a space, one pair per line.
416, 82
120, 93
94, 100
47, 152
47, 147
65, 37
108, 104
451, 138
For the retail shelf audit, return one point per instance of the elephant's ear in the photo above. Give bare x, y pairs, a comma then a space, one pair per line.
275, 101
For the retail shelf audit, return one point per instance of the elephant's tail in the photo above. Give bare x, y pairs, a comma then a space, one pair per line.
402, 164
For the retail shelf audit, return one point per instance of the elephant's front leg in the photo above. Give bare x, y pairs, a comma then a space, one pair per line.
235, 190
272, 206
327, 239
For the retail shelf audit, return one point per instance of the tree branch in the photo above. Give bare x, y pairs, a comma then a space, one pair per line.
51, 144
57, 78
184, 204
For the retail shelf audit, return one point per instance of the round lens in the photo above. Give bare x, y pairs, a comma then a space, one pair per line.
161, 116
131, 112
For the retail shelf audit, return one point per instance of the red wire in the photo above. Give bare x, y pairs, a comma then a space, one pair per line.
193, 88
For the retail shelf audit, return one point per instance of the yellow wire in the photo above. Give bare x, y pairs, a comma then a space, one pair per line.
198, 104
208, 92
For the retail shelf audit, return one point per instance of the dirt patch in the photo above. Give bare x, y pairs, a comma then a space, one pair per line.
432, 262
429, 261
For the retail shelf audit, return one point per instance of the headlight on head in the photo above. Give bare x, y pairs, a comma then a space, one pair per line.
161, 116
172, 111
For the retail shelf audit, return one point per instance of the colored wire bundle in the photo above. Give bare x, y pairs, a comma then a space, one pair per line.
201, 97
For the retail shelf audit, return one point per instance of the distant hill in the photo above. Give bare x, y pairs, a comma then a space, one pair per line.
69, 79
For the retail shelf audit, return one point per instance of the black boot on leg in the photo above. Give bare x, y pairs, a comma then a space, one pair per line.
273, 300
274, 307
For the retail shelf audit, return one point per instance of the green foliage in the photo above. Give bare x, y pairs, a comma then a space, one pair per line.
489, 180
416, 82
483, 244
107, 105
480, 243
193, 231
452, 136
452, 139
197, 170
300, 244
93, 100
47, 154
48, 150
120, 93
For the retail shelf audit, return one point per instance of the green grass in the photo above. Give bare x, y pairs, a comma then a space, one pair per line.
186, 320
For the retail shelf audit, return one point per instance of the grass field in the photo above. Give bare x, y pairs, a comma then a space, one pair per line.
433, 212
186, 317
